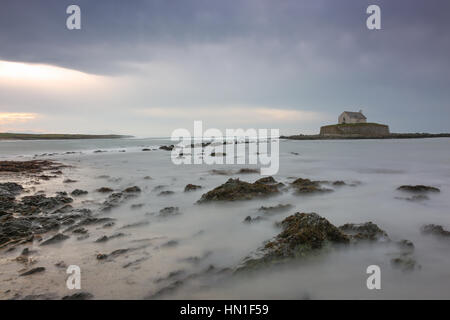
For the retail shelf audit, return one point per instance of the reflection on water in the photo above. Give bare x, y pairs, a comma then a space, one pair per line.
184, 246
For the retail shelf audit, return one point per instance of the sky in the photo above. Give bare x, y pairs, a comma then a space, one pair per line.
149, 67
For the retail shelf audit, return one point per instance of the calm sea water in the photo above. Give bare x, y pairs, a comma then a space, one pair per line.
214, 234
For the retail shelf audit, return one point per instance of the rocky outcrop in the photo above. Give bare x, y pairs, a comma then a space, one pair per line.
436, 230
302, 233
191, 187
364, 231
307, 186
418, 188
235, 189
306, 234
275, 209
33, 166
78, 192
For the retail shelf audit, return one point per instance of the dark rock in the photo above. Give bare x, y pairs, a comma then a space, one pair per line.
136, 224
171, 275
221, 172
134, 263
418, 188
40, 203
302, 234
166, 193
234, 189
266, 180
109, 224
78, 192
33, 166
115, 253
79, 296
134, 189
306, 186
10, 189
364, 231
249, 219
104, 190
275, 209
435, 229
32, 271
248, 171
117, 198
170, 243
406, 245
218, 154
55, 239
191, 187
405, 263
137, 205
80, 231
69, 181
167, 148
169, 211
414, 198
106, 238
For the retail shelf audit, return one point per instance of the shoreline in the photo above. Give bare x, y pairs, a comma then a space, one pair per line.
56, 136
361, 137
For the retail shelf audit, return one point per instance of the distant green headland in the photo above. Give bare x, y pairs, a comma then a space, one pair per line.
31, 136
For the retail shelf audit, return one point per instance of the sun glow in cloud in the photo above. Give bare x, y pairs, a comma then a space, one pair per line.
11, 117
28, 74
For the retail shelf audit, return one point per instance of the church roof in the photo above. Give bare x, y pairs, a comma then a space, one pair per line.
355, 115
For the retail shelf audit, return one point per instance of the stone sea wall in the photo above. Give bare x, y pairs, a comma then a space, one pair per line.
361, 129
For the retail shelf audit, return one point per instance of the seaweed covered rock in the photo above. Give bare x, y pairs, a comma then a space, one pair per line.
169, 212
134, 189
302, 234
275, 209
10, 189
191, 187
41, 203
78, 192
235, 189
364, 231
418, 188
14, 229
55, 239
307, 186
117, 198
435, 229
32, 166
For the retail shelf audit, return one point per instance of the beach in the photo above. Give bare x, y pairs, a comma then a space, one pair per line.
121, 211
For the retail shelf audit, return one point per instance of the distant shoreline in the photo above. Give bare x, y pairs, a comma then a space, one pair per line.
359, 137
31, 136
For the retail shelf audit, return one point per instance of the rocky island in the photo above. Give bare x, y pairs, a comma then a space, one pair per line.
354, 125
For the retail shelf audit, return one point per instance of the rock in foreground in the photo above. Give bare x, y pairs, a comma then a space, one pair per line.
302, 234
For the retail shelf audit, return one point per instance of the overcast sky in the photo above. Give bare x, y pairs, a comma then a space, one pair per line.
149, 67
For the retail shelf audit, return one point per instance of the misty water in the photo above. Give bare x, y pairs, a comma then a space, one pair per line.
215, 235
